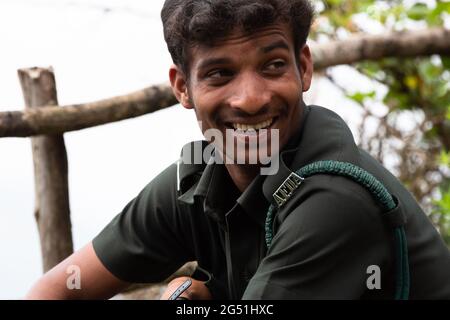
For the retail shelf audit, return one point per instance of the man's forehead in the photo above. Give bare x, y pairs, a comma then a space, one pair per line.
238, 36
277, 35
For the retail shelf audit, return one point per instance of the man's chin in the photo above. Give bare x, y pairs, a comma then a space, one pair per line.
250, 156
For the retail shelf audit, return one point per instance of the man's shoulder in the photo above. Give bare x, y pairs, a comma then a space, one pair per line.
164, 181
324, 136
334, 201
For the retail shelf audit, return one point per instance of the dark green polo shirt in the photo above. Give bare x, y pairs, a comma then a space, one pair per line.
326, 236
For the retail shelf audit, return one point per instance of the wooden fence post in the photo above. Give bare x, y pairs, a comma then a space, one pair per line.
52, 210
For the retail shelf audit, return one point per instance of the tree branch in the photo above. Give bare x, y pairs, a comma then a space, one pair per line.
374, 47
52, 120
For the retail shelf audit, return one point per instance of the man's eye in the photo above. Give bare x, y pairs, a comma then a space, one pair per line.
276, 65
218, 74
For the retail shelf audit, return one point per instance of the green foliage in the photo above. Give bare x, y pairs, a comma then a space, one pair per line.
433, 17
414, 84
441, 213
444, 159
360, 97
340, 12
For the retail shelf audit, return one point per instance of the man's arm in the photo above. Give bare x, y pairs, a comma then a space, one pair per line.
96, 282
145, 243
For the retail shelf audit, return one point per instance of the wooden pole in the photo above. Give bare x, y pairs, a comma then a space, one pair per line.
52, 211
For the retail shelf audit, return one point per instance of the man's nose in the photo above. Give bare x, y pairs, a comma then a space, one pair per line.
250, 94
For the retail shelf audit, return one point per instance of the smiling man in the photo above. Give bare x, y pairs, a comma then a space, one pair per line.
242, 66
249, 84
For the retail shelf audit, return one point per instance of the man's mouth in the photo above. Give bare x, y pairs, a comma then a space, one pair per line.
247, 128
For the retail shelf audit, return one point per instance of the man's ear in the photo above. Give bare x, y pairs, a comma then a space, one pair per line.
179, 86
306, 67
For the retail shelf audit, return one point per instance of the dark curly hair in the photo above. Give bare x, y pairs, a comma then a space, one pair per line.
190, 22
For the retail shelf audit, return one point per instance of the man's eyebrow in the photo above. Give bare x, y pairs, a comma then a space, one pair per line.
212, 61
276, 45
281, 44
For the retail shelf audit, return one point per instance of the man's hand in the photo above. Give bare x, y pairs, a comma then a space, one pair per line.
197, 290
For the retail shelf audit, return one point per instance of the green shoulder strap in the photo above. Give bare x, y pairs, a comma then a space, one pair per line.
388, 202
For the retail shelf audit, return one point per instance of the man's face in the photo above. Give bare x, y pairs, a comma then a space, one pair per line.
247, 81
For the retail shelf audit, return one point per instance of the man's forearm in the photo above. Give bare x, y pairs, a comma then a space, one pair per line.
47, 288
80, 276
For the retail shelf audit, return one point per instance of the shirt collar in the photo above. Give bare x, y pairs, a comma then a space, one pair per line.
209, 182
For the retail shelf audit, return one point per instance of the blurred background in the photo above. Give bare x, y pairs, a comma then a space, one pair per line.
398, 109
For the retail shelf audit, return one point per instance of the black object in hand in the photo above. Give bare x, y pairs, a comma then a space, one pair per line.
180, 289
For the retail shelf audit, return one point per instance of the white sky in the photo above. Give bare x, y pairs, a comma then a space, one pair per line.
98, 49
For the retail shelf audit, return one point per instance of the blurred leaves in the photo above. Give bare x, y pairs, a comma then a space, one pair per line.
433, 17
416, 86
444, 158
339, 13
441, 214
360, 97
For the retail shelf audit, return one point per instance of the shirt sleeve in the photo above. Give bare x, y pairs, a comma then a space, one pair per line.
145, 242
324, 245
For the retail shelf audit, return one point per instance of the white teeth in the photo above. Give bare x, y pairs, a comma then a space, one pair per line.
256, 126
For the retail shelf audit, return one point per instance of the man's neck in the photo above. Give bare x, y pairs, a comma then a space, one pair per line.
242, 175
